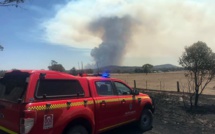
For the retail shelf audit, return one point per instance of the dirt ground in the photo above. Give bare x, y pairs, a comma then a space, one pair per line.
171, 117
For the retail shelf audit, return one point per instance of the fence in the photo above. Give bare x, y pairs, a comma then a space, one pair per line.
159, 85
168, 81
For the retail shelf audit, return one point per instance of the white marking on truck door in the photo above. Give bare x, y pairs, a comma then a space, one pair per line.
48, 121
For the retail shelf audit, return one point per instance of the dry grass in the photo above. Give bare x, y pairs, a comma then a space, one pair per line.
161, 81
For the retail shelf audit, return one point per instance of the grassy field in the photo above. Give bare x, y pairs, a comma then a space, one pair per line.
166, 81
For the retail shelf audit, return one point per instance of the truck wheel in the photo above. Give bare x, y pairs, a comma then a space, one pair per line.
77, 130
145, 122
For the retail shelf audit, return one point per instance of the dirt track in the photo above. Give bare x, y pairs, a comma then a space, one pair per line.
172, 117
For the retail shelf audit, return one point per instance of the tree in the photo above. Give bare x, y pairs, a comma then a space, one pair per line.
10, 2
147, 68
1, 47
89, 71
53, 62
56, 67
73, 71
199, 62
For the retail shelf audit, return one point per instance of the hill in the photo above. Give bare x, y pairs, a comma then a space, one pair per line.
165, 66
131, 69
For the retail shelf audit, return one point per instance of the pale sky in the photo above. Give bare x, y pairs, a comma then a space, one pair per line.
41, 31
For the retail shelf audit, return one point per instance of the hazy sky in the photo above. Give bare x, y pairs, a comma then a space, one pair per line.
61, 30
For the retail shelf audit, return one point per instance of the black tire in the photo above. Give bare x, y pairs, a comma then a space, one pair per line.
77, 130
146, 119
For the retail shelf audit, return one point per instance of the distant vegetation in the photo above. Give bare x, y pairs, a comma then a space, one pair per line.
56, 66
113, 69
146, 68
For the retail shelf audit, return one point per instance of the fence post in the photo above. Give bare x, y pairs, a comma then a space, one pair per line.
178, 87
160, 85
135, 84
146, 84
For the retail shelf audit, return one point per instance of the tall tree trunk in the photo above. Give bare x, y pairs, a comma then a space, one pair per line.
191, 102
196, 96
196, 87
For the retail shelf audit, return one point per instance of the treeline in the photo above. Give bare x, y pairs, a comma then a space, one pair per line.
55, 66
146, 68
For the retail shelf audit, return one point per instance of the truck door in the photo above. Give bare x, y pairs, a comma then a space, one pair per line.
128, 102
107, 110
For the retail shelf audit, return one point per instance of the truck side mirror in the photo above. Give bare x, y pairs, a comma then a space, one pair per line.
135, 92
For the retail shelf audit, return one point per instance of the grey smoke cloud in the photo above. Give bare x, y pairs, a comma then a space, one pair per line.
133, 32
115, 33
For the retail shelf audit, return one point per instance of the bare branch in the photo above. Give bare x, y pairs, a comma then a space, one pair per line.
7, 3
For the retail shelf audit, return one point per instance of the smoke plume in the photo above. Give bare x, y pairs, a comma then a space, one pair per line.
115, 34
132, 32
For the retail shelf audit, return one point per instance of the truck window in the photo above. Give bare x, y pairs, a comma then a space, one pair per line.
59, 88
13, 86
122, 89
104, 88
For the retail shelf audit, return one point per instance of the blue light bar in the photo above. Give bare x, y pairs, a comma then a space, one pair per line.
105, 75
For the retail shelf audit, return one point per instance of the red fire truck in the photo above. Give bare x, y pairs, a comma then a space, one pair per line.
49, 102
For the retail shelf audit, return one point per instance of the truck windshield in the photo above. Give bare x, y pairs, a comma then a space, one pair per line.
13, 86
